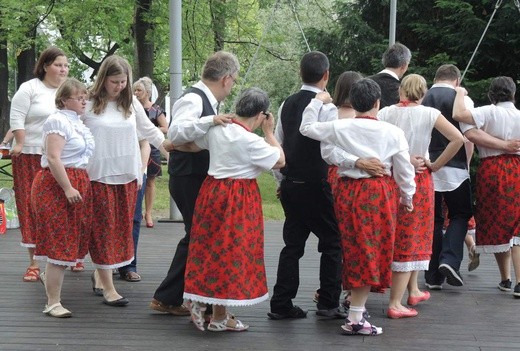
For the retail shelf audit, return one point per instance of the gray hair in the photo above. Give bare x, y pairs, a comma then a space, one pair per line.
396, 56
251, 102
220, 64
147, 85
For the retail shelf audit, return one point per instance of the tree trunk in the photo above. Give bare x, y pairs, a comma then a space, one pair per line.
218, 22
5, 104
26, 61
144, 45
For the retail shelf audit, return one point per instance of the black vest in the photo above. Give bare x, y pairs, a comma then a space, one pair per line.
302, 155
186, 163
442, 98
389, 88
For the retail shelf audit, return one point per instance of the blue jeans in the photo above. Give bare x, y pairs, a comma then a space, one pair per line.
449, 248
138, 216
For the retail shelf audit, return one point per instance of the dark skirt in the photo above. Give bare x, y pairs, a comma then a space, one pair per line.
154, 164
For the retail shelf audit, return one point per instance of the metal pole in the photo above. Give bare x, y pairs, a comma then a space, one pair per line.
393, 11
175, 10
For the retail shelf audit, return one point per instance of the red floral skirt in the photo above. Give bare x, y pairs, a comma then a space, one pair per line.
225, 263
498, 202
112, 245
333, 178
366, 211
62, 229
414, 233
25, 167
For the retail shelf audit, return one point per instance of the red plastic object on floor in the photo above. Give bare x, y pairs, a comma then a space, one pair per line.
3, 220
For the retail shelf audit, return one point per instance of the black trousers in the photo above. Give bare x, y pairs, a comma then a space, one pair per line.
449, 247
184, 191
308, 208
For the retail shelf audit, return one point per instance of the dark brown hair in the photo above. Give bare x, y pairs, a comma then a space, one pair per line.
46, 58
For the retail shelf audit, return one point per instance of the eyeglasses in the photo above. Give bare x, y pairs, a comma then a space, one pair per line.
266, 114
78, 99
234, 79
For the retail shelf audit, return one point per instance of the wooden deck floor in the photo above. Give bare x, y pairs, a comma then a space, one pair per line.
474, 317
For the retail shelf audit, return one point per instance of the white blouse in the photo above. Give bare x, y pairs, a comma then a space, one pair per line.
116, 158
365, 138
30, 107
235, 152
501, 121
79, 141
417, 122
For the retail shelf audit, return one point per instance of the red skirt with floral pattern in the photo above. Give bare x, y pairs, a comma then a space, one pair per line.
62, 229
498, 207
366, 211
333, 179
225, 263
25, 167
414, 233
112, 245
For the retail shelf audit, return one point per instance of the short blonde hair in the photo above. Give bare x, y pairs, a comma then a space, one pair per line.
414, 87
147, 84
68, 88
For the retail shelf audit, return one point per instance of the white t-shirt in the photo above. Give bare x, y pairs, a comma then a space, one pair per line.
30, 107
501, 121
417, 122
116, 158
235, 152
79, 141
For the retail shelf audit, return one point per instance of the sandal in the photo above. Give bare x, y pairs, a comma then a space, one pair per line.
474, 259
197, 314
79, 267
361, 328
32, 274
130, 276
230, 323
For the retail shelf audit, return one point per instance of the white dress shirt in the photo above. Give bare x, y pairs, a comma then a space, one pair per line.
186, 126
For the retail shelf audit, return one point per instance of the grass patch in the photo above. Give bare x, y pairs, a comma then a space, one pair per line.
161, 209
266, 182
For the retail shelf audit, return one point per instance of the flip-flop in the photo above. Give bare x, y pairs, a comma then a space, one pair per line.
32, 274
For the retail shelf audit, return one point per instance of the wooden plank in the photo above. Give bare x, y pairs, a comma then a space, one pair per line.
474, 317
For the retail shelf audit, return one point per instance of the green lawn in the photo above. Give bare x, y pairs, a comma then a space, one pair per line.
270, 204
267, 184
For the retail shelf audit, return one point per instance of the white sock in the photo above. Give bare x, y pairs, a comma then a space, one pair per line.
355, 314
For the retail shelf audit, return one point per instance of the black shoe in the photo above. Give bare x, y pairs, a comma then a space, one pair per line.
505, 285
333, 313
453, 277
117, 303
516, 293
295, 312
97, 291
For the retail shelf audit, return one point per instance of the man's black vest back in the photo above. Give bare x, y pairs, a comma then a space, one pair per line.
302, 155
389, 88
442, 98
186, 163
